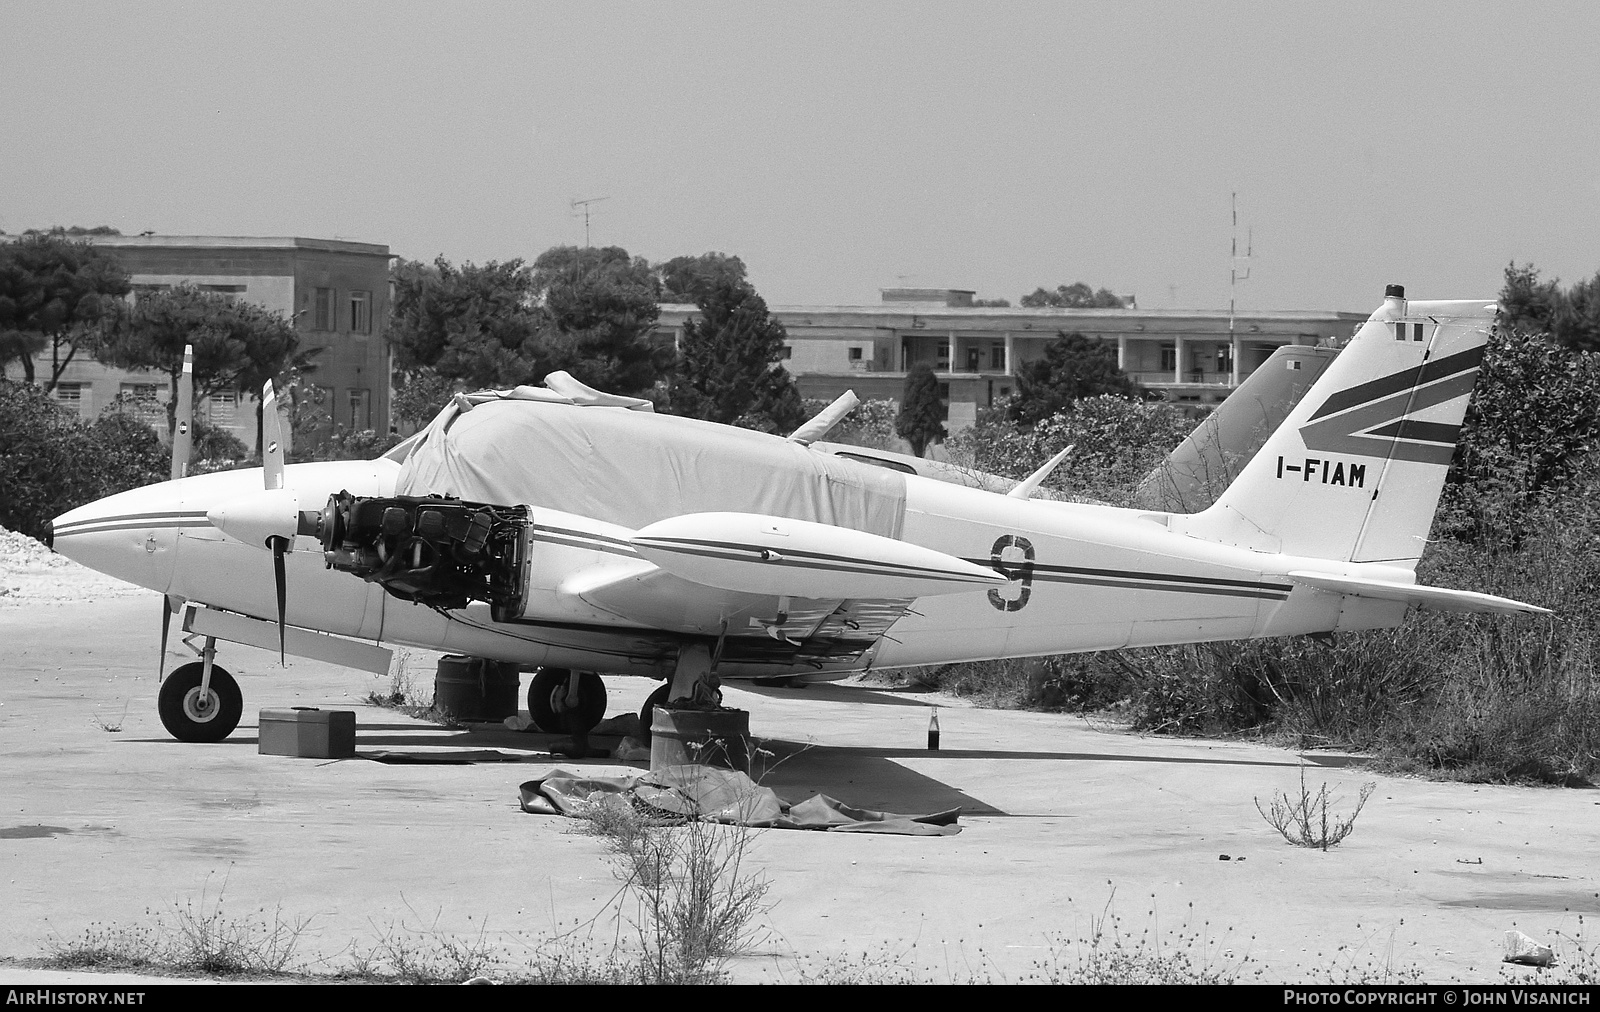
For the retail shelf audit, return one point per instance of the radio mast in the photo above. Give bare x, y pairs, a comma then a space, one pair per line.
585, 212
1234, 277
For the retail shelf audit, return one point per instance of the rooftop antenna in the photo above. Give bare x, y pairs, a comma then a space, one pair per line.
1234, 277
585, 205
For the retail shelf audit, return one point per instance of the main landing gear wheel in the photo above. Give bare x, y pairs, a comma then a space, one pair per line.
647, 712
192, 716
542, 700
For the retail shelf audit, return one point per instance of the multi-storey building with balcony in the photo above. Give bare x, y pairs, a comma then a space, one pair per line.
1194, 356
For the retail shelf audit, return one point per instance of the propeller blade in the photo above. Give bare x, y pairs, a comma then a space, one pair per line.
182, 437
166, 625
271, 439
279, 545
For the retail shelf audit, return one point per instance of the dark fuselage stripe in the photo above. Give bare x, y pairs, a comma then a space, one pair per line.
1170, 588
122, 524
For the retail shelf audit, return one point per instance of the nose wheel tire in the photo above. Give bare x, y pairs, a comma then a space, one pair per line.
544, 706
190, 715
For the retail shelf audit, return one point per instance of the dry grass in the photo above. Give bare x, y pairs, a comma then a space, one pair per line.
1308, 820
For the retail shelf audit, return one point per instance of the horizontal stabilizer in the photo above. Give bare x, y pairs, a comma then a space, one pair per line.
758, 554
1435, 598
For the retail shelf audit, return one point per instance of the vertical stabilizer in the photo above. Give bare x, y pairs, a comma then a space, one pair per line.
1216, 452
1354, 473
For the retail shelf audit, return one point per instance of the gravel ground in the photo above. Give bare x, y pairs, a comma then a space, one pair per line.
30, 573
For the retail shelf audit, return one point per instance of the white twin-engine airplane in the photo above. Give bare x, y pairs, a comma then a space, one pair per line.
574, 533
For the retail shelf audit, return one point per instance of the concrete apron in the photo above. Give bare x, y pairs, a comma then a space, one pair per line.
1065, 822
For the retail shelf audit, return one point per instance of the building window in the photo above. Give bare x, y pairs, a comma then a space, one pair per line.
222, 408
360, 409
322, 310
785, 352
361, 312
1169, 357
997, 357
71, 397
1224, 358
142, 401
855, 354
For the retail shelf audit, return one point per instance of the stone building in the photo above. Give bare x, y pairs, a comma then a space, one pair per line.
335, 291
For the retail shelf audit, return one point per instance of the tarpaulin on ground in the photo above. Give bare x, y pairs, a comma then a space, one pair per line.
455, 757
634, 467
678, 792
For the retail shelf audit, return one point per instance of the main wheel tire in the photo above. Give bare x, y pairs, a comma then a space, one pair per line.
542, 689
188, 715
647, 712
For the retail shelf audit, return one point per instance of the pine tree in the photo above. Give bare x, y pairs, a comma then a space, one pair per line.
728, 363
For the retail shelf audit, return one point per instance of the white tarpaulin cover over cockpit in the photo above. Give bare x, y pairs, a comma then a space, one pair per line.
634, 467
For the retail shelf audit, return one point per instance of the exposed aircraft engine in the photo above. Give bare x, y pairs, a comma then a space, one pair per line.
433, 550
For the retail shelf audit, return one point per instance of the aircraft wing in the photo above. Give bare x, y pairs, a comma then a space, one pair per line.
759, 628
1436, 598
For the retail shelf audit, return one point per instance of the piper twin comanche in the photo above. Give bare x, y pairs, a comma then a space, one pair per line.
574, 534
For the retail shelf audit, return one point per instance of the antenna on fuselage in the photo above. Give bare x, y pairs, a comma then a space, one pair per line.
584, 204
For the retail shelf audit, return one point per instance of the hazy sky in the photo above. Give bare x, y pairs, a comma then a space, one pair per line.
839, 148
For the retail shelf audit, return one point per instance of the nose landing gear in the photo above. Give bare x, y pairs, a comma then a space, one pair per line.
194, 713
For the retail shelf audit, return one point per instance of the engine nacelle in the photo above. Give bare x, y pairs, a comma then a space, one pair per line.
433, 550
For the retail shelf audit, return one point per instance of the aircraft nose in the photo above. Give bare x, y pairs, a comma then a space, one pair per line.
50, 534
131, 535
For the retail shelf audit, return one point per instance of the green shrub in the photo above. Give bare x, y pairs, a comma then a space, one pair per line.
1115, 441
51, 462
219, 447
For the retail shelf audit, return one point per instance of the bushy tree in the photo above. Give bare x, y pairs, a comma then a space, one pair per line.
1570, 317
1534, 420
479, 325
1074, 296
587, 311
57, 293
691, 279
1073, 367
729, 363
419, 395
922, 410
599, 309
237, 345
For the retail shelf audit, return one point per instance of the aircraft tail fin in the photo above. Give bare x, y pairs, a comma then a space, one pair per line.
1355, 471
1216, 452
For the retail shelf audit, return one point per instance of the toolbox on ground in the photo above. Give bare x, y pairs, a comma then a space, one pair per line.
308, 733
